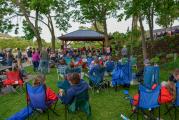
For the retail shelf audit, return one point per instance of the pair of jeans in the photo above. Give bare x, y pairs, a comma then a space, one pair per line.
35, 65
44, 66
9, 62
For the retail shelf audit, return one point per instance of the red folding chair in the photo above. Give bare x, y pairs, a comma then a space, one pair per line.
13, 79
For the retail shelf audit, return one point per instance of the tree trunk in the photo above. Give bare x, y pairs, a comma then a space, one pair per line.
105, 33
144, 49
51, 28
151, 21
35, 30
134, 28
53, 41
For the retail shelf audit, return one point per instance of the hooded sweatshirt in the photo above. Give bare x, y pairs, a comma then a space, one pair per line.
73, 91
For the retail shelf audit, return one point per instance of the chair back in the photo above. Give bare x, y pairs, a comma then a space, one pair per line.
96, 74
81, 102
122, 74
36, 96
151, 75
68, 60
61, 69
177, 95
13, 75
148, 98
110, 66
133, 61
89, 60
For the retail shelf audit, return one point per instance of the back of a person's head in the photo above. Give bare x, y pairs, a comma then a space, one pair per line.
62, 62
40, 79
15, 67
75, 78
176, 72
72, 65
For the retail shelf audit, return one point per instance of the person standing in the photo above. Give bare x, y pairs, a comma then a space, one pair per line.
124, 51
44, 61
35, 59
29, 55
9, 58
19, 58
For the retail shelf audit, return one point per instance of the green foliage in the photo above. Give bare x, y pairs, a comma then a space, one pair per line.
14, 43
166, 12
29, 33
155, 60
95, 10
5, 11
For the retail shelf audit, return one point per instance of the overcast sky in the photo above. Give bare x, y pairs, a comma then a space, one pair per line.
112, 25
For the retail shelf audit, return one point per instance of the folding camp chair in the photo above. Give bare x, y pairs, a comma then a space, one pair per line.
110, 66
148, 101
61, 71
96, 77
14, 80
89, 60
67, 60
175, 104
151, 76
134, 62
80, 103
122, 75
37, 100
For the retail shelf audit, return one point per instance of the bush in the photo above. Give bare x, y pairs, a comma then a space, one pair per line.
155, 60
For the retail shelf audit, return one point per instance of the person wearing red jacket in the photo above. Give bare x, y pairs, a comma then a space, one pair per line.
167, 92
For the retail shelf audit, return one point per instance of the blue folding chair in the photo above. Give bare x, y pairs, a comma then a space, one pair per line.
148, 101
61, 71
89, 60
36, 99
175, 104
96, 75
110, 65
151, 76
122, 75
67, 60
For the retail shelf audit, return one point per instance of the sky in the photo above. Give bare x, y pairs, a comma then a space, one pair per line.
112, 24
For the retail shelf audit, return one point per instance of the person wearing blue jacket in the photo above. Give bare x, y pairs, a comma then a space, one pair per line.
77, 86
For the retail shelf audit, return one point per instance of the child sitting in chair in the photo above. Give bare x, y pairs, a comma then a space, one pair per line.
50, 94
77, 86
167, 92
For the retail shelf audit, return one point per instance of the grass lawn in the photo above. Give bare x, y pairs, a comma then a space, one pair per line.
106, 105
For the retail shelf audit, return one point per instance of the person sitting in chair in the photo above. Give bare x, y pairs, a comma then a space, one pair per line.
77, 86
50, 94
168, 90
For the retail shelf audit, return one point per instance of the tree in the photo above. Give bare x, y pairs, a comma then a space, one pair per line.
25, 7
166, 12
96, 11
135, 8
5, 17
33, 12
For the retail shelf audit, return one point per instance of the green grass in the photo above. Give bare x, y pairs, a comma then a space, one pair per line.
106, 105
